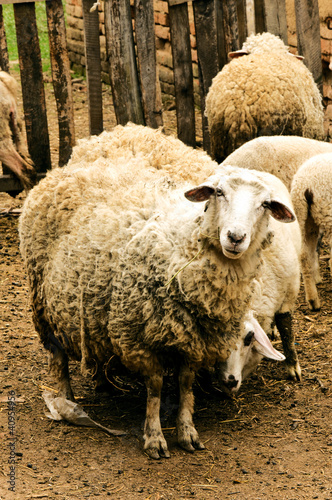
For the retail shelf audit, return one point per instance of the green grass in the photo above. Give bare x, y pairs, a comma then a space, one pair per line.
8, 15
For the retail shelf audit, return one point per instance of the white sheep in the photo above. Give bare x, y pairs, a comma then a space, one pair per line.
273, 303
312, 199
13, 151
267, 91
121, 263
279, 155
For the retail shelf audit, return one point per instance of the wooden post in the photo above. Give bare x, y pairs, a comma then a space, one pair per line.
4, 58
183, 73
271, 16
207, 54
242, 21
93, 67
32, 85
228, 31
147, 63
122, 62
61, 78
308, 37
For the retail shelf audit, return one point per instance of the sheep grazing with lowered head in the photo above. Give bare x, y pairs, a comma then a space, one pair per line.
272, 303
263, 90
312, 199
13, 151
121, 263
279, 155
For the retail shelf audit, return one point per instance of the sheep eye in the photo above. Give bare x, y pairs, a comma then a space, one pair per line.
219, 192
248, 338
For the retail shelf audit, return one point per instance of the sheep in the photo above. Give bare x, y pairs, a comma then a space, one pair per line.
13, 151
272, 303
268, 91
279, 155
311, 193
121, 263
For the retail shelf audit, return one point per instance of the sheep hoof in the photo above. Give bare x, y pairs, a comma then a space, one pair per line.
156, 448
314, 304
188, 439
294, 372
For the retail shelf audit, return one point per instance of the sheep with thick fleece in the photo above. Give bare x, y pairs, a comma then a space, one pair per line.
312, 199
121, 263
272, 303
13, 150
263, 90
279, 155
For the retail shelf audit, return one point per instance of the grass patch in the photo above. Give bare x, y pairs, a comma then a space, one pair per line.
9, 20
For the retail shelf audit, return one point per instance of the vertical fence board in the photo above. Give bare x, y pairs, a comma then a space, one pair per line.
93, 67
270, 15
32, 85
183, 73
61, 78
122, 62
308, 37
147, 62
242, 21
228, 32
4, 58
207, 54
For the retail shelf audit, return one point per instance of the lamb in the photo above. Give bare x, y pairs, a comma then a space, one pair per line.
268, 91
273, 303
311, 193
121, 263
279, 155
13, 151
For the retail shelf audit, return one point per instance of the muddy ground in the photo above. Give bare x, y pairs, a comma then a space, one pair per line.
272, 441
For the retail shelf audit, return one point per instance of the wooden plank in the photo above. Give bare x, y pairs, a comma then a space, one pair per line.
4, 58
228, 32
10, 183
207, 54
122, 62
93, 67
32, 85
183, 73
242, 21
271, 17
308, 37
147, 63
61, 78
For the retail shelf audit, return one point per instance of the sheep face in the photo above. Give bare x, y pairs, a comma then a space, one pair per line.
251, 347
237, 211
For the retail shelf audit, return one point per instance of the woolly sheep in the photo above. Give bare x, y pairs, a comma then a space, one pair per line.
279, 155
273, 303
268, 91
121, 263
312, 198
13, 151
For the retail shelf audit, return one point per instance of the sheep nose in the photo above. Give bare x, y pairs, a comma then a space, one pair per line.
231, 382
236, 238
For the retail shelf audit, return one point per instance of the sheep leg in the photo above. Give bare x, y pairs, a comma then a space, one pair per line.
284, 325
154, 442
58, 366
187, 435
310, 264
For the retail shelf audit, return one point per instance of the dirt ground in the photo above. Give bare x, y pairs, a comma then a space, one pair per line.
272, 441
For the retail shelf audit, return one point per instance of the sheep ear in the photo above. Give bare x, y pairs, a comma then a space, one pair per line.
237, 53
300, 58
263, 343
279, 211
200, 193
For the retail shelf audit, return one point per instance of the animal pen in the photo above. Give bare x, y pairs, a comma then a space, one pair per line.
221, 26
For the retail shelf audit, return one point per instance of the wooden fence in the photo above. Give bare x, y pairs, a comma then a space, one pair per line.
221, 27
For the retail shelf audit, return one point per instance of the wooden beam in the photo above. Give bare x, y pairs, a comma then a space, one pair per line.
93, 67
61, 78
33, 92
308, 37
183, 73
147, 63
207, 54
3, 2
122, 62
271, 16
